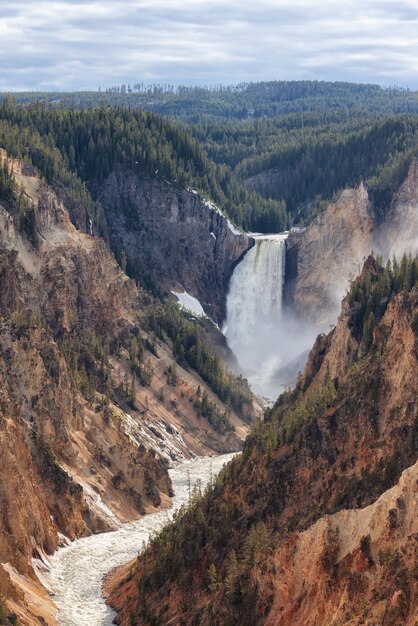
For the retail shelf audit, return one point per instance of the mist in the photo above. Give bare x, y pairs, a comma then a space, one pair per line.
273, 356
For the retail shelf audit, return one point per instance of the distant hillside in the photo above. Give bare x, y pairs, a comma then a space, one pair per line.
242, 101
305, 159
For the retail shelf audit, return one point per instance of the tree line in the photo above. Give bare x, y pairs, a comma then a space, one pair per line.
241, 101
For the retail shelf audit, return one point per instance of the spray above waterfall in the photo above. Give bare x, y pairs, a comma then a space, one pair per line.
267, 340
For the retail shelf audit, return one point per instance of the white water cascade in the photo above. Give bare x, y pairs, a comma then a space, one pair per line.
77, 571
255, 321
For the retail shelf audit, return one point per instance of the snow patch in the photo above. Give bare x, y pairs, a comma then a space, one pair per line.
189, 303
212, 206
97, 505
232, 228
170, 445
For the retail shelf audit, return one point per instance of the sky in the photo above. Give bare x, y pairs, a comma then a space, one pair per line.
80, 44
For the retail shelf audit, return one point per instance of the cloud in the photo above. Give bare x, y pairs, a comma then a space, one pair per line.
78, 44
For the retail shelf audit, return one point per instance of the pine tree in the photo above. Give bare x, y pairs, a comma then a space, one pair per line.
133, 352
132, 393
231, 581
368, 330
213, 578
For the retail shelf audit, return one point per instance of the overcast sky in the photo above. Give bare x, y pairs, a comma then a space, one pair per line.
80, 44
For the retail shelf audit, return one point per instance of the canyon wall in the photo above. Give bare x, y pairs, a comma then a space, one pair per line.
325, 256
316, 521
174, 237
328, 252
84, 446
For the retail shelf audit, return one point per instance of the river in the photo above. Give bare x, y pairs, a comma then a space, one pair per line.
77, 570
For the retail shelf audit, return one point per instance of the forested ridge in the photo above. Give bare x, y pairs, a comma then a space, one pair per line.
82, 147
300, 158
368, 299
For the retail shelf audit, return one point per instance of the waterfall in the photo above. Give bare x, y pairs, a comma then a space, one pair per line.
254, 320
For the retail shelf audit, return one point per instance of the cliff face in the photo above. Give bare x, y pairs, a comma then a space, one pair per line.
316, 521
175, 236
400, 231
323, 258
82, 447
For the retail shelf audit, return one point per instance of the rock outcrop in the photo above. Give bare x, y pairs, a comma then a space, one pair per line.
173, 237
324, 257
355, 567
400, 229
